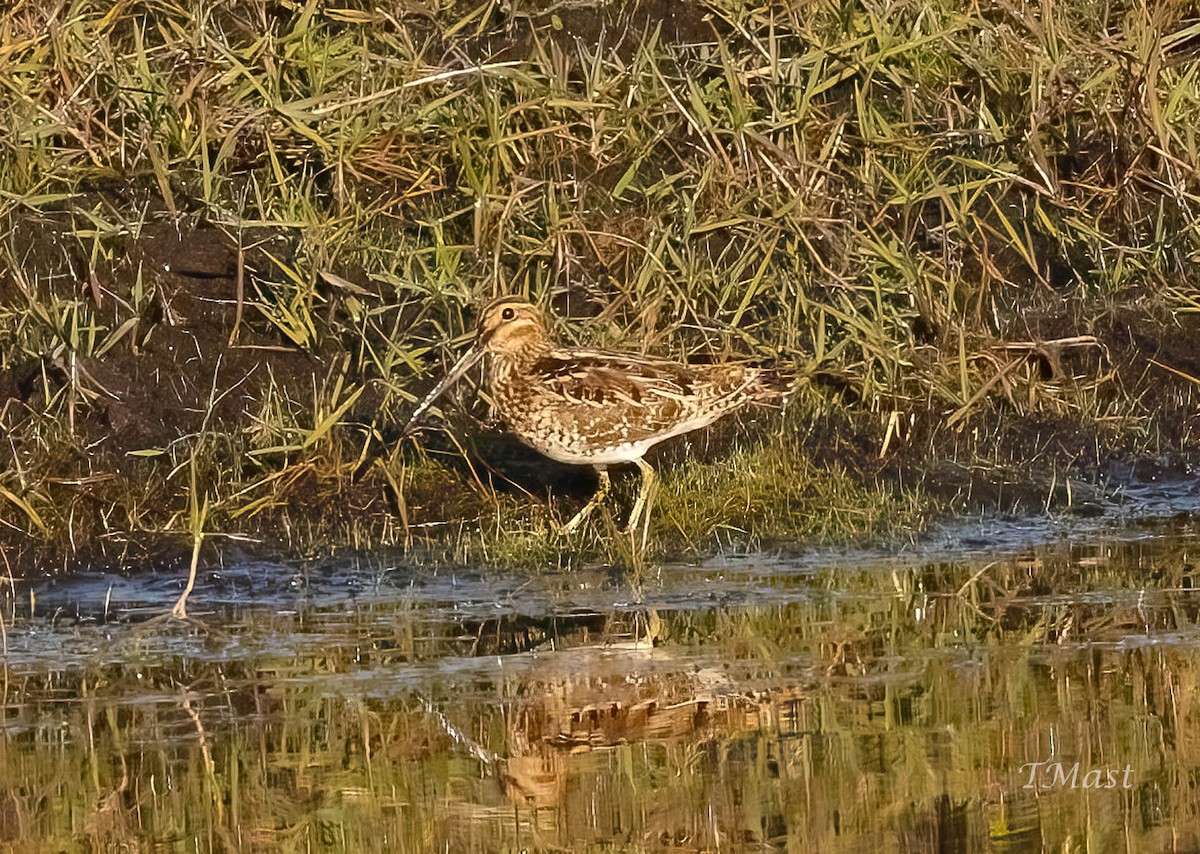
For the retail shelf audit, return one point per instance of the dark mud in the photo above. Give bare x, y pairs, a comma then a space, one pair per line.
201, 360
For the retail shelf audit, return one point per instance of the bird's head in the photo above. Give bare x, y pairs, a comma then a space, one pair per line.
508, 326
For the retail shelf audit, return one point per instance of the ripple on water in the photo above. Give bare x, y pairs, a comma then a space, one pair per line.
829, 701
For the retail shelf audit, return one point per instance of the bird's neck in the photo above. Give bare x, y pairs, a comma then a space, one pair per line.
521, 358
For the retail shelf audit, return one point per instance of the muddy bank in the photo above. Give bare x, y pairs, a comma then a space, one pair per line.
228, 269
201, 389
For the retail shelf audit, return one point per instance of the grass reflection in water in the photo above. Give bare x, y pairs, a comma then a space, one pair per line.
848, 704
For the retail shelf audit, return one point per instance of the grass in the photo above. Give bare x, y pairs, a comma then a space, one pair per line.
774, 494
236, 242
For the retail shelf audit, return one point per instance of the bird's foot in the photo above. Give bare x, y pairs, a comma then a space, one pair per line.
575, 521
595, 501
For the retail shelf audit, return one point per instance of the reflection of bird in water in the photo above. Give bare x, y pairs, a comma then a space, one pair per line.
598, 407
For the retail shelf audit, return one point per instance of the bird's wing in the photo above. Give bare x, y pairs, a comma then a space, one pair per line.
600, 378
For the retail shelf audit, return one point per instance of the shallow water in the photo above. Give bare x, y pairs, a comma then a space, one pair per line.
842, 701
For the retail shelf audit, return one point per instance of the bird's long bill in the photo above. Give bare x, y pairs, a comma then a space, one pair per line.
464, 364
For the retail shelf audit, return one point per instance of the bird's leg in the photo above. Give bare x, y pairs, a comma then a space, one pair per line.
595, 501
641, 507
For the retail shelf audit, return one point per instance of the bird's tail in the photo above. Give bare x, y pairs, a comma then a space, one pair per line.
778, 383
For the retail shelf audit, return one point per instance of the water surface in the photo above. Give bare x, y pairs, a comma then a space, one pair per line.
839, 701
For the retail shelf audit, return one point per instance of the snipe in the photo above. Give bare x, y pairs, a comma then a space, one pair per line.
596, 407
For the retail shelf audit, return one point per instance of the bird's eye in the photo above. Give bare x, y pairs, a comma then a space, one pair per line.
508, 313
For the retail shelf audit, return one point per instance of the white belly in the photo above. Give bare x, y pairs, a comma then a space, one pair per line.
564, 449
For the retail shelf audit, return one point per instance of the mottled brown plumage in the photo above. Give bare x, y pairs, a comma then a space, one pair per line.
598, 407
